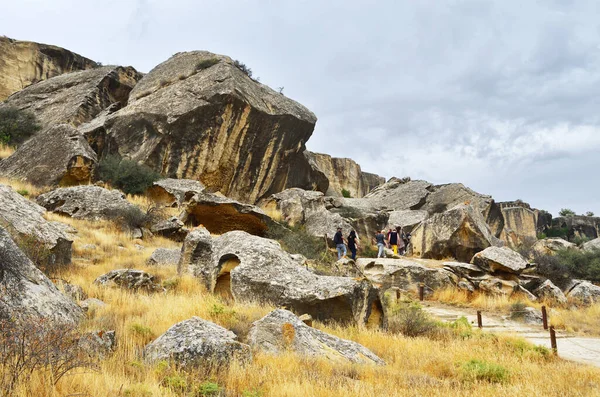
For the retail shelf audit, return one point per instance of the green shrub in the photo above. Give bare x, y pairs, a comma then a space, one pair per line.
346, 193
242, 66
566, 212
560, 232
252, 393
410, 320
368, 251
176, 383
484, 371
206, 63
126, 175
579, 241
16, 125
209, 389
551, 267
589, 213
581, 264
295, 240
23, 192
517, 310
140, 329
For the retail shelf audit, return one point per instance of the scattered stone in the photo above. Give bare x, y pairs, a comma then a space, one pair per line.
135, 280
98, 344
174, 192
86, 202
89, 247
139, 247
529, 315
73, 291
281, 330
171, 228
91, 303
197, 343
500, 259
592, 245
585, 292
27, 294
165, 257
550, 291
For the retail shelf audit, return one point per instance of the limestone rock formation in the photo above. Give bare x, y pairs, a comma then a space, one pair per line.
165, 257
460, 232
197, 116
444, 197
23, 63
550, 291
251, 268
171, 228
405, 274
579, 226
592, 245
520, 223
26, 293
500, 259
408, 219
77, 97
281, 330
24, 220
85, 202
174, 192
60, 155
221, 214
396, 194
131, 279
551, 246
344, 174
197, 343
585, 292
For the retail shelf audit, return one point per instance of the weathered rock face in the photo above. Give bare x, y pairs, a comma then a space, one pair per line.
251, 268
77, 97
281, 330
174, 192
592, 245
24, 219
550, 291
98, 344
220, 215
344, 174
188, 119
459, 232
586, 292
135, 280
197, 343
520, 223
396, 194
85, 202
26, 293
579, 226
165, 257
408, 219
500, 259
405, 274
60, 155
551, 246
23, 63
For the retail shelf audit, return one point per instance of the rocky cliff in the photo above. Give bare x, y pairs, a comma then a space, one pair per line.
198, 116
23, 63
343, 174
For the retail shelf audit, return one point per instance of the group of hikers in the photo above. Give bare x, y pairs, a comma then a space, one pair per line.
396, 239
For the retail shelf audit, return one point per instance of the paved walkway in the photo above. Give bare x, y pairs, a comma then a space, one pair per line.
570, 347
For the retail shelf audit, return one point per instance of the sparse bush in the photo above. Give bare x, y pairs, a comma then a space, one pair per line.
410, 320
296, 240
589, 213
39, 254
23, 192
517, 310
176, 383
560, 232
207, 63
579, 240
368, 251
347, 212
16, 125
581, 264
209, 389
551, 267
525, 248
127, 175
346, 193
242, 66
436, 209
566, 212
479, 370
252, 393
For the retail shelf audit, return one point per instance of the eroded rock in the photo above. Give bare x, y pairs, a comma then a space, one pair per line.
550, 246
165, 257
550, 291
174, 192
500, 259
171, 228
281, 330
585, 292
131, 279
592, 245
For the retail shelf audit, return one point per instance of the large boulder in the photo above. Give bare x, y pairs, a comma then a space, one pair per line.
294, 205
459, 232
77, 97
165, 257
26, 293
344, 175
405, 274
550, 246
592, 245
197, 343
221, 214
23, 63
579, 226
520, 223
86, 202
500, 259
547, 290
174, 192
25, 221
130, 279
60, 155
396, 194
281, 330
408, 219
585, 292
251, 268
172, 228
198, 116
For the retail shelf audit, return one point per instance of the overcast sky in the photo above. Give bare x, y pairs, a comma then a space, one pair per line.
502, 96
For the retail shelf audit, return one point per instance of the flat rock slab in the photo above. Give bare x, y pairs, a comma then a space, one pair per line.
174, 192
281, 330
503, 259
135, 280
165, 257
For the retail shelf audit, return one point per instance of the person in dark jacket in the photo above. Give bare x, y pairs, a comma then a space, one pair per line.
338, 240
353, 243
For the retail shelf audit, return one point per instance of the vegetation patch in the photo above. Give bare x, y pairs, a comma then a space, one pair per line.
16, 125
480, 370
126, 175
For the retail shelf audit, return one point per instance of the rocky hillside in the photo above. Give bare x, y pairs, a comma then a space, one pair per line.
23, 63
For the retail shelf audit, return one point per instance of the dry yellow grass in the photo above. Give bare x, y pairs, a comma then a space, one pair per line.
6, 151
415, 367
22, 186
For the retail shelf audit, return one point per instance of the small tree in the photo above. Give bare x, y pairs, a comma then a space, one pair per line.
242, 66
16, 125
589, 213
346, 193
127, 175
566, 212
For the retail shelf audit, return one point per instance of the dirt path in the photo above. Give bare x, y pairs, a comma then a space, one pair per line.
570, 347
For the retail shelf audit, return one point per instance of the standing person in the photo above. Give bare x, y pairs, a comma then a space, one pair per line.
380, 239
394, 238
387, 237
353, 243
401, 243
339, 242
